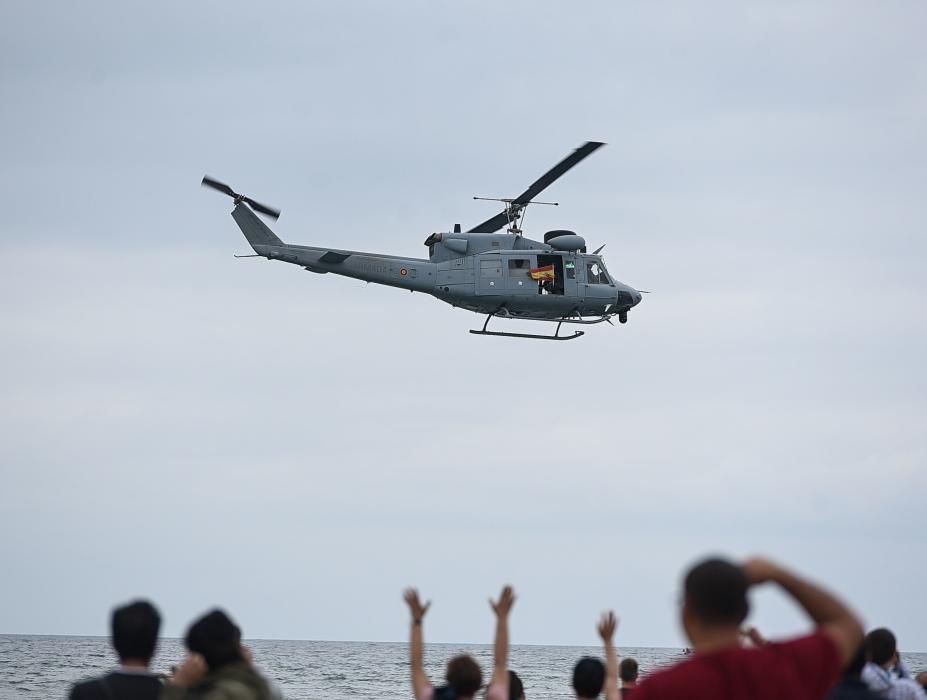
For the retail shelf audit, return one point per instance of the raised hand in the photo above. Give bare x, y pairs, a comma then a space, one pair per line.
191, 671
754, 635
503, 606
417, 610
607, 626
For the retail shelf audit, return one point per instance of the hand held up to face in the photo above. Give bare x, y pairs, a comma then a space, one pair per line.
190, 672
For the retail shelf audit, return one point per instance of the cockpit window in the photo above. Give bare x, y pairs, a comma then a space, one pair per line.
596, 274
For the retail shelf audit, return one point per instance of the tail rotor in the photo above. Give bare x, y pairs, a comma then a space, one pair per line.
239, 198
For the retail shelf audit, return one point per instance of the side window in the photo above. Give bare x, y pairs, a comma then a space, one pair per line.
491, 268
595, 274
518, 268
570, 267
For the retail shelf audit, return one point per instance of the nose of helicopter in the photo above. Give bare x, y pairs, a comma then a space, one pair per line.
627, 297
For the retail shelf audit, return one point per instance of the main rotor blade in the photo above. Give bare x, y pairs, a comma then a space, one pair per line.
558, 171
491, 225
221, 186
538, 186
263, 208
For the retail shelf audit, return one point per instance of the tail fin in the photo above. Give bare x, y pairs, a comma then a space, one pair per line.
255, 230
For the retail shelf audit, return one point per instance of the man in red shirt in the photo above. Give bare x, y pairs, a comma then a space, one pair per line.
715, 604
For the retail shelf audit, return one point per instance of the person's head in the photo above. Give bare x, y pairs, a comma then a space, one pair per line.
627, 670
216, 638
715, 599
880, 646
588, 677
464, 675
516, 688
135, 631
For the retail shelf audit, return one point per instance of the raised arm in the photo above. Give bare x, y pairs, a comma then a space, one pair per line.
607, 627
421, 686
500, 673
828, 613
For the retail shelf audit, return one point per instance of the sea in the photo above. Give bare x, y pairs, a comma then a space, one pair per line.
45, 667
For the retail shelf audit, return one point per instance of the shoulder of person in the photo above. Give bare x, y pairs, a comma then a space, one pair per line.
89, 689
235, 689
818, 644
82, 690
910, 689
679, 674
496, 691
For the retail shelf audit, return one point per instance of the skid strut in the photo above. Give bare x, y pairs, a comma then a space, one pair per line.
532, 336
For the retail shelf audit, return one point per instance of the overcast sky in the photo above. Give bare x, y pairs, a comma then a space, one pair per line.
202, 430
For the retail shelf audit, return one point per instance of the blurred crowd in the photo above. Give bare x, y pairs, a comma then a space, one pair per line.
834, 661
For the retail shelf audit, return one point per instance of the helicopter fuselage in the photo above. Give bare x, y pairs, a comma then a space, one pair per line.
484, 273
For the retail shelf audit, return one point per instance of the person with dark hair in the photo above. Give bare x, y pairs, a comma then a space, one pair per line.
884, 673
590, 675
463, 674
714, 606
627, 672
218, 666
516, 687
134, 628
588, 678
852, 686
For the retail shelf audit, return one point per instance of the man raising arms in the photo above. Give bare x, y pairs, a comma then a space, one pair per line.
589, 675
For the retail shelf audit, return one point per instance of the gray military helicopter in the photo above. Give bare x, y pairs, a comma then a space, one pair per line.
501, 275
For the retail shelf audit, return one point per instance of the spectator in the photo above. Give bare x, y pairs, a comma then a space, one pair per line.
516, 688
588, 678
463, 674
884, 672
218, 666
590, 675
134, 629
628, 671
715, 604
851, 686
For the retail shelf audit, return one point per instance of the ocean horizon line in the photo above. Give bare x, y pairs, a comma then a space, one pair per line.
38, 635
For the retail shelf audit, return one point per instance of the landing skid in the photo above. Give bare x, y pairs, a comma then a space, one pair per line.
532, 336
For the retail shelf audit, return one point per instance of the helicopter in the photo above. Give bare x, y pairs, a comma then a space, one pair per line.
502, 275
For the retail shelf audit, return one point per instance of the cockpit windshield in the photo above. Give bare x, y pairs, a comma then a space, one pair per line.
596, 274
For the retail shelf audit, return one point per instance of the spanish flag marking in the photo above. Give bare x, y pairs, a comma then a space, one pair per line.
542, 273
